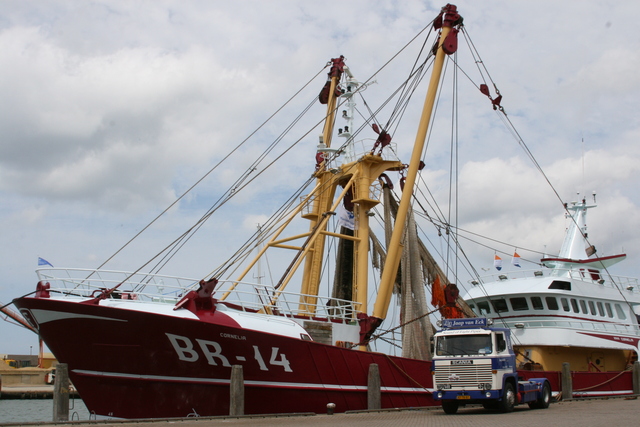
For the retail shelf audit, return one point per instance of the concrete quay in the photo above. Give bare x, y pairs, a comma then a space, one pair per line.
582, 412
31, 392
26, 392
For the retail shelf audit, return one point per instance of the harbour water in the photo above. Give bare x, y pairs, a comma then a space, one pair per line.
38, 410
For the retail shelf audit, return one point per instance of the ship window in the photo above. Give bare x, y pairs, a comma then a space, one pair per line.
574, 305
560, 284
565, 304
592, 308
552, 303
584, 306
608, 307
500, 305
600, 309
619, 312
536, 302
519, 304
483, 308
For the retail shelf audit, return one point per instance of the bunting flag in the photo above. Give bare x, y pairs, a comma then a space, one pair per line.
516, 259
42, 261
497, 263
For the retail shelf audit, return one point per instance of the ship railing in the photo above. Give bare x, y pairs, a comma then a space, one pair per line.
87, 283
618, 328
604, 279
596, 278
509, 275
356, 149
258, 297
158, 288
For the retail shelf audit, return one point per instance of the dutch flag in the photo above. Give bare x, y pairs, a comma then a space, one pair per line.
497, 263
516, 259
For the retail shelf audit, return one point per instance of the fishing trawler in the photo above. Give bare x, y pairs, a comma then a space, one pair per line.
571, 310
143, 344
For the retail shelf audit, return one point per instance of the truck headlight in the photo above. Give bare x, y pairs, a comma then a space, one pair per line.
488, 394
439, 395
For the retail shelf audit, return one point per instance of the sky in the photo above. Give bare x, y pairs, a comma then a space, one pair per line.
111, 109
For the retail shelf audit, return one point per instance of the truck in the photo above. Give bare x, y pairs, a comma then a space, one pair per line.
474, 363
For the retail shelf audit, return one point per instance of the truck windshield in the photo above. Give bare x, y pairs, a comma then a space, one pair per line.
463, 345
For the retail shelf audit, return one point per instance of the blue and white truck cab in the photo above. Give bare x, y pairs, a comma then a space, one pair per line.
474, 363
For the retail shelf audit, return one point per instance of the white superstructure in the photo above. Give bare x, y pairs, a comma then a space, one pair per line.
572, 311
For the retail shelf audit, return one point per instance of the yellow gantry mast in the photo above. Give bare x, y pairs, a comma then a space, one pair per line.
324, 197
356, 176
446, 45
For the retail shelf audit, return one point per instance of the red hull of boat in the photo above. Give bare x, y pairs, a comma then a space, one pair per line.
133, 364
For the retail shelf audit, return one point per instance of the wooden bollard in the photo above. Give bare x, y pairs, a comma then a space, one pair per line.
636, 377
61, 394
567, 382
236, 390
373, 387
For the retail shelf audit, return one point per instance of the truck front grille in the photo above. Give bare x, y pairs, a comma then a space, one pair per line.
462, 375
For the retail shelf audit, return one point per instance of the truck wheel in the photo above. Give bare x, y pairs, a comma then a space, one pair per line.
508, 398
545, 398
449, 407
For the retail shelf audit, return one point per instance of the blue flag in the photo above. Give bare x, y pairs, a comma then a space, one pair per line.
42, 261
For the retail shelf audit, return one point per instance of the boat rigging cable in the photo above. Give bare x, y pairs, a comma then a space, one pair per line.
397, 110
511, 128
516, 135
406, 90
454, 159
359, 90
236, 148
238, 185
